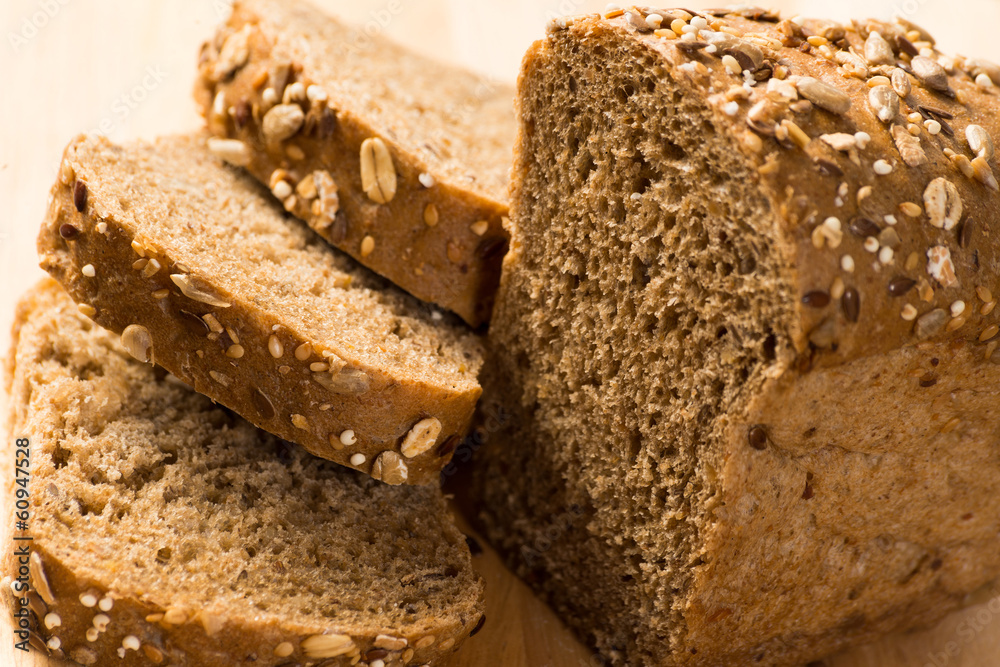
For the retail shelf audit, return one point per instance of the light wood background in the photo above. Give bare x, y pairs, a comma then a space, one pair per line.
126, 67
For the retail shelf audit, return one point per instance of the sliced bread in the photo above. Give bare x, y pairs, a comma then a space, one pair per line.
198, 270
747, 333
394, 158
166, 530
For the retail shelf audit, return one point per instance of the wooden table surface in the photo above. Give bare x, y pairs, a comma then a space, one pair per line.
126, 67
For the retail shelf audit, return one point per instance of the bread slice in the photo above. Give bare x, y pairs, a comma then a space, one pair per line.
752, 374
166, 530
394, 158
200, 272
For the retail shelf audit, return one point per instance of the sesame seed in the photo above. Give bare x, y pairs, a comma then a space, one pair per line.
988, 308
910, 209
426, 180
347, 438
890, 219
283, 650
300, 422
140, 264
989, 333
105, 604
92, 634
219, 377
101, 622
54, 643
479, 228
957, 308
885, 255
882, 168
871, 244
88, 270
909, 313
957, 323
275, 347
87, 309
367, 246
319, 367
847, 263
863, 139
357, 459
131, 643
933, 127
139, 250
235, 352
52, 620
161, 294
984, 82
88, 600
304, 351
213, 323
984, 294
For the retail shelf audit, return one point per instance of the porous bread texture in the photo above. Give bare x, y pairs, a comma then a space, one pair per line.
203, 274
202, 540
728, 444
302, 97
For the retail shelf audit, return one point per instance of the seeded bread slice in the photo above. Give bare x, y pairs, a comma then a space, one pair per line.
167, 530
755, 414
199, 271
394, 158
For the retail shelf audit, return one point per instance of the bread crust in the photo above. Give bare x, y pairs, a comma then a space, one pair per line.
278, 395
450, 257
164, 631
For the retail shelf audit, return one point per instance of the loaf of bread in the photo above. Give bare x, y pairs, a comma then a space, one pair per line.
747, 333
167, 531
394, 158
199, 271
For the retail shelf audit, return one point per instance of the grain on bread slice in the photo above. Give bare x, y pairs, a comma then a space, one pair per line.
747, 335
399, 160
201, 272
167, 530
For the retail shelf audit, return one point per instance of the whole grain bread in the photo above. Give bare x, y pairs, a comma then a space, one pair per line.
747, 333
394, 158
199, 271
166, 530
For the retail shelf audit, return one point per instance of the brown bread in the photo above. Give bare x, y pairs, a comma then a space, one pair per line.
748, 335
168, 531
392, 157
201, 272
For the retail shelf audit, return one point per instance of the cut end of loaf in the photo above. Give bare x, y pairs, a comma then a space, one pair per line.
149, 494
642, 304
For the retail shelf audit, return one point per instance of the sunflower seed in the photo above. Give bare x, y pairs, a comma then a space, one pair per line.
943, 203
38, 578
824, 95
901, 83
378, 173
878, 51
138, 342
931, 323
930, 72
980, 141
885, 102
282, 122
192, 289
347, 381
